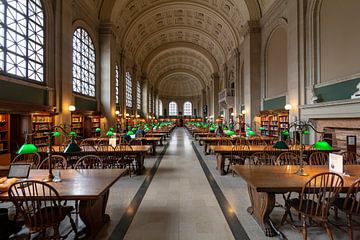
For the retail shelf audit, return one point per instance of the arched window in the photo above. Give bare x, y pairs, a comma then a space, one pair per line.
173, 111
138, 95
128, 89
83, 63
117, 80
22, 39
187, 108
160, 108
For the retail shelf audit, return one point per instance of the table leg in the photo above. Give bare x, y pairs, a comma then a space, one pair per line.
154, 148
92, 213
161, 143
262, 204
221, 164
140, 164
206, 148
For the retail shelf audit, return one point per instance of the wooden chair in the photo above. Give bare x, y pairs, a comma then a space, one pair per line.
257, 141
57, 161
236, 157
261, 158
318, 158
89, 162
33, 158
350, 205
224, 142
316, 197
125, 160
287, 158
40, 205
351, 158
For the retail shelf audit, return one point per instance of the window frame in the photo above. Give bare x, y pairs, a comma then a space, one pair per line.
176, 109
128, 90
191, 108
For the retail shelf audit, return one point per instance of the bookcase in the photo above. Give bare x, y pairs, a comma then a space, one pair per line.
95, 123
274, 122
41, 123
77, 124
4, 138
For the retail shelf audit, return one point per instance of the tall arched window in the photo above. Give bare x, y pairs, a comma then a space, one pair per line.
173, 111
84, 79
128, 89
22, 39
117, 80
187, 108
160, 108
138, 95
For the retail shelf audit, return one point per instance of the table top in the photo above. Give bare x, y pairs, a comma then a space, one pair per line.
156, 134
124, 148
83, 184
149, 138
279, 179
215, 138
259, 148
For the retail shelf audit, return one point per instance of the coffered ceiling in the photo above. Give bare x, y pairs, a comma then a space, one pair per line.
179, 44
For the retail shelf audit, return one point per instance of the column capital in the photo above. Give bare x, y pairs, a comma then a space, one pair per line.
252, 26
107, 28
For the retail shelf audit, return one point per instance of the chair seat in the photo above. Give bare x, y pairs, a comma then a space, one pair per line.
42, 221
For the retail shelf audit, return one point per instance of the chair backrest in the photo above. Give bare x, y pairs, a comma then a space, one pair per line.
57, 161
33, 158
38, 202
224, 142
288, 158
89, 162
261, 158
351, 158
318, 158
319, 193
88, 142
136, 142
257, 141
352, 200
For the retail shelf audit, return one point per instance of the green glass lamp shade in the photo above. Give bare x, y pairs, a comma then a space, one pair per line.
110, 133
225, 128
230, 133
251, 133
261, 128
212, 129
248, 129
72, 147
72, 134
130, 133
147, 129
27, 148
280, 145
322, 145
285, 133
98, 130
56, 134
134, 129
129, 127
111, 129
306, 132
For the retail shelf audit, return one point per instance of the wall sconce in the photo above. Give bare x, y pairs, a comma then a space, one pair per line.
288, 107
117, 112
127, 115
137, 115
243, 111
232, 114
72, 108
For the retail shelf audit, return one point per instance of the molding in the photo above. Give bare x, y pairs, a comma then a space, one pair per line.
272, 98
84, 97
338, 80
40, 85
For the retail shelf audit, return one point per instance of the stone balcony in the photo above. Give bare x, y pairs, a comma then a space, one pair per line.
227, 97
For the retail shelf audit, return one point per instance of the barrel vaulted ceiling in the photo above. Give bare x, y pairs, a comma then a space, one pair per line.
180, 44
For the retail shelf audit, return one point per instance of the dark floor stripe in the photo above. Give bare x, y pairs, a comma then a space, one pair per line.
235, 226
125, 221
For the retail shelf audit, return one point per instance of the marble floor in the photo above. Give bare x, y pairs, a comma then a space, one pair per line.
179, 202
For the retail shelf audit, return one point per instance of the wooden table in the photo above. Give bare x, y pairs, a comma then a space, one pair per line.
207, 141
197, 135
157, 134
90, 186
266, 181
153, 141
225, 150
138, 150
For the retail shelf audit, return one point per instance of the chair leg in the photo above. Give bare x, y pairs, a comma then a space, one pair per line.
349, 225
304, 230
73, 225
328, 231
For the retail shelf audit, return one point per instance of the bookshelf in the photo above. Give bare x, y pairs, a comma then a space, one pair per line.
95, 123
274, 123
41, 123
77, 124
4, 138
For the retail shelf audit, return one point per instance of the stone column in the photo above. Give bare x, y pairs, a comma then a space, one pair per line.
238, 90
135, 77
107, 61
252, 83
215, 94
144, 99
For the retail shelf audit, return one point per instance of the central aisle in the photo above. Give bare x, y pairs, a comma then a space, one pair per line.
179, 203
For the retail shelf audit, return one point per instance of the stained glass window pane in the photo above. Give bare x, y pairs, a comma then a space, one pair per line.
22, 39
128, 89
84, 79
173, 109
117, 76
138, 95
187, 109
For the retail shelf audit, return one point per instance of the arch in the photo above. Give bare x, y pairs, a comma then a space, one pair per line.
276, 65
178, 71
173, 108
172, 45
